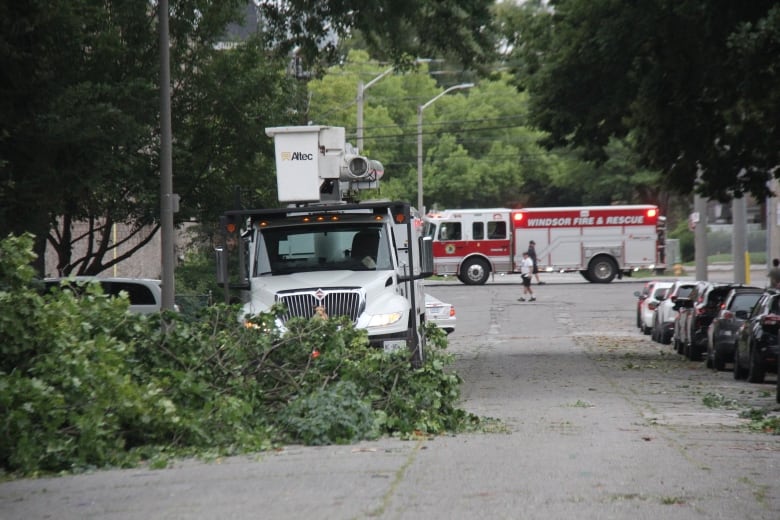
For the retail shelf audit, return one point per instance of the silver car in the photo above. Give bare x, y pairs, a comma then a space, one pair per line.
440, 313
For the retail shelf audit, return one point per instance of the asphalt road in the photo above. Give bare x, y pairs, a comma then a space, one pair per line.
595, 422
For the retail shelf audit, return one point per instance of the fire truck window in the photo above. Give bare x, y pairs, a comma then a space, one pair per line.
449, 231
477, 231
497, 230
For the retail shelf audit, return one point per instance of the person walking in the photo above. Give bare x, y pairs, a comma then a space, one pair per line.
526, 272
774, 274
532, 255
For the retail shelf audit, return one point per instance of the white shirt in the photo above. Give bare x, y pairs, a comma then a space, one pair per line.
526, 266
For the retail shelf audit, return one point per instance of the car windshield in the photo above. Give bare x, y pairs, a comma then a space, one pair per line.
684, 291
745, 301
347, 246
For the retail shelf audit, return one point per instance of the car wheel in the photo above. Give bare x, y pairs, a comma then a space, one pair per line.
646, 330
666, 337
777, 397
474, 271
756, 371
694, 354
739, 372
718, 363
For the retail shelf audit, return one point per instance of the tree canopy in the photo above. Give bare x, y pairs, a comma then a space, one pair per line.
79, 108
479, 149
397, 29
693, 82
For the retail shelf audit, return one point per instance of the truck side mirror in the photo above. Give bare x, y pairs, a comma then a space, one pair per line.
426, 256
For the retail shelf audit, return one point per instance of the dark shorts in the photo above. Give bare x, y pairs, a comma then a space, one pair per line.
526, 280
536, 269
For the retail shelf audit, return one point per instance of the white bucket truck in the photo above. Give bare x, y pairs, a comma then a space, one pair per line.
327, 254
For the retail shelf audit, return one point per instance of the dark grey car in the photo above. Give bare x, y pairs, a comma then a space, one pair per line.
722, 332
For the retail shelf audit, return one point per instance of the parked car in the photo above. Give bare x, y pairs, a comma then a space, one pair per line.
144, 294
440, 313
640, 297
757, 348
722, 332
665, 313
656, 291
705, 299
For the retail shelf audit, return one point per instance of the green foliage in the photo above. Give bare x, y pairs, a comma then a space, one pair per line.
686, 238
80, 121
693, 82
85, 383
335, 415
403, 29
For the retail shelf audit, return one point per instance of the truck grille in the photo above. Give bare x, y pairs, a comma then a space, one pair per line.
337, 302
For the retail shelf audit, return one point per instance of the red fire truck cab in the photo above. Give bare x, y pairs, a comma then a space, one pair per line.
600, 242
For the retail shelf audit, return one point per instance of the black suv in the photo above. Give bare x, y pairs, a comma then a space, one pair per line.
722, 332
757, 347
706, 304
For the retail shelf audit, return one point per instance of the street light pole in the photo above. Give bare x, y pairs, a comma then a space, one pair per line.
360, 94
420, 109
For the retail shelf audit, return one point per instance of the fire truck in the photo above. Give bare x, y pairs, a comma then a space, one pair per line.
326, 253
599, 242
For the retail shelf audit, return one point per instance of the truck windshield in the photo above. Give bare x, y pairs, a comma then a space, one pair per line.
430, 229
322, 247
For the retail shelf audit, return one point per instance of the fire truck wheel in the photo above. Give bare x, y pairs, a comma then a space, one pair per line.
586, 275
474, 271
602, 269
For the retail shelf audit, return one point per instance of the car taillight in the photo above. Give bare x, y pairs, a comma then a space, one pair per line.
652, 305
452, 312
727, 315
701, 310
770, 320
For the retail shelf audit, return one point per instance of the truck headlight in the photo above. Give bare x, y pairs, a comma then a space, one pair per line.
381, 320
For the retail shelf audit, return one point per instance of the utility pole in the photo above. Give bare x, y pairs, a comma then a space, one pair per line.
168, 200
700, 232
739, 240
772, 224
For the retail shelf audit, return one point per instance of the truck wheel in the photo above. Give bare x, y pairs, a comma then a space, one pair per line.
586, 275
602, 269
474, 271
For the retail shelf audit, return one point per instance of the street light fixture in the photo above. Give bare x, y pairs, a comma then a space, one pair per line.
361, 90
420, 109
361, 95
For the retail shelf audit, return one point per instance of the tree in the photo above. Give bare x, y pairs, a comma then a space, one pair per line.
477, 148
398, 29
663, 72
80, 135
